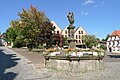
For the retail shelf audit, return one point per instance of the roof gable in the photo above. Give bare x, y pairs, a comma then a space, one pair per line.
55, 24
116, 33
80, 28
65, 28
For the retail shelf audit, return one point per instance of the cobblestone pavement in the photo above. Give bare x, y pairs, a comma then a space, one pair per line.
111, 57
16, 67
35, 57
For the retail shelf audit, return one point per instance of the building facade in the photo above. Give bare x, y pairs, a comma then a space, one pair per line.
65, 32
57, 30
78, 33
113, 42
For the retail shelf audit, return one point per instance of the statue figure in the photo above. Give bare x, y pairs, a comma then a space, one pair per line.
71, 17
70, 28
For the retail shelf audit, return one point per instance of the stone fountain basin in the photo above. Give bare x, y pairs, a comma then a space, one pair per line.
78, 53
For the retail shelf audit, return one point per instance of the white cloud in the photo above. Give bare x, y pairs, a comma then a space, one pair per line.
88, 2
103, 2
96, 6
84, 13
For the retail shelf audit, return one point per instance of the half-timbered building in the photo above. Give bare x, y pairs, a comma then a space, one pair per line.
113, 42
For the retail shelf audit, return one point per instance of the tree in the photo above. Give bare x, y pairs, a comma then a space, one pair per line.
14, 34
106, 38
11, 34
90, 41
60, 40
33, 28
37, 27
102, 46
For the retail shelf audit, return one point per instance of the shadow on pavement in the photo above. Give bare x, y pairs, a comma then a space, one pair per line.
111, 57
7, 61
114, 56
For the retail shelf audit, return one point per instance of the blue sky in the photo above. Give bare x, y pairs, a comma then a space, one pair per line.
97, 17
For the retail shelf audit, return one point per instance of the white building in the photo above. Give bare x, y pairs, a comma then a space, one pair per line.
78, 33
65, 32
113, 42
58, 30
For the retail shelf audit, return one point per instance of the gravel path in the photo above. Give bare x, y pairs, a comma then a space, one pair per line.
13, 66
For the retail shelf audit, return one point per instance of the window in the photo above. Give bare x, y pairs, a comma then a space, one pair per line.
57, 32
113, 43
109, 43
65, 35
118, 48
66, 32
76, 41
113, 49
76, 37
81, 32
117, 43
79, 36
79, 41
82, 41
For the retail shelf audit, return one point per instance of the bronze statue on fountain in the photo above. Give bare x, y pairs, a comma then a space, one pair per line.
70, 28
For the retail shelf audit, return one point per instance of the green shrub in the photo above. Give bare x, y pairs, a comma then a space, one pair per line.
40, 47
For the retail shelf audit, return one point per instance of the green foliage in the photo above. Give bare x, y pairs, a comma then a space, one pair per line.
14, 34
65, 41
56, 38
33, 28
11, 34
90, 41
40, 46
98, 51
103, 47
106, 38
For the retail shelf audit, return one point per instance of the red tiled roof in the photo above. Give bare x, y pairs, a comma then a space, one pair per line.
116, 33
